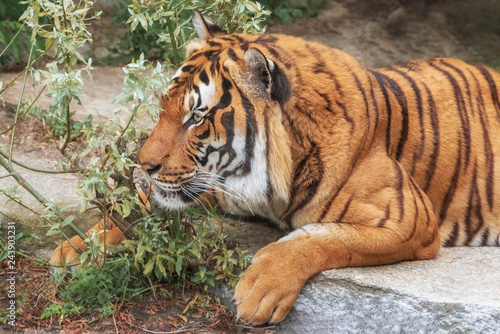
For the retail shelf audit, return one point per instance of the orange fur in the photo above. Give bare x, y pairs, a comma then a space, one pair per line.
368, 166
67, 254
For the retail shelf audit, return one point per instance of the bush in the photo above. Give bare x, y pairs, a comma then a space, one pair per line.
181, 249
15, 41
284, 11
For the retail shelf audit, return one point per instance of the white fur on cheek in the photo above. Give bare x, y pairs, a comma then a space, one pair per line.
253, 186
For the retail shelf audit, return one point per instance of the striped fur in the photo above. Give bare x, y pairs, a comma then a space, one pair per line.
368, 166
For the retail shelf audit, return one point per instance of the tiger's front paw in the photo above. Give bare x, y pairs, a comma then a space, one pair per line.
269, 287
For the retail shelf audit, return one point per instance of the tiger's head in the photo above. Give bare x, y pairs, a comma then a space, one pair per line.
216, 122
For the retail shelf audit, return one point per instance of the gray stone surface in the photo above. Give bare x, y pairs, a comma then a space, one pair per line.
458, 292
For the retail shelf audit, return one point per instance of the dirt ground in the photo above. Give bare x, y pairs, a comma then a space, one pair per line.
377, 33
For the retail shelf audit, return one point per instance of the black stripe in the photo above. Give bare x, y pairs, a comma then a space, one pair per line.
484, 237
464, 117
474, 220
340, 218
250, 134
328, 102
488, 151
227, 122
375, 107
306, 180
421, 197
415, 219
330, 201
450, 193
452, 240
386, 218
461, 74
367, 111
434, 235
378, 77
267, 154
232, 54
266, 39
416, 155
435, 139
204, 77
188, 68
399, 186
492, 86
401, 98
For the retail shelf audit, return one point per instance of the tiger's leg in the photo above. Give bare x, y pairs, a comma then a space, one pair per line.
370, 227
66, 254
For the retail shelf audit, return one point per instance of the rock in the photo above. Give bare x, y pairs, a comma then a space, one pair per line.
458, 292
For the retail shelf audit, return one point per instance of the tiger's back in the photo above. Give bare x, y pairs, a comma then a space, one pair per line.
445, 131
439, 118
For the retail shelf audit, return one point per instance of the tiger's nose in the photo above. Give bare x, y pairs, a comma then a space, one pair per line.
150, 169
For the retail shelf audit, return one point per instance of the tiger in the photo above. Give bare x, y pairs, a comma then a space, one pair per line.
365, 166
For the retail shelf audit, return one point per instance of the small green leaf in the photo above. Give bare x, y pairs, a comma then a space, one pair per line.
149, 266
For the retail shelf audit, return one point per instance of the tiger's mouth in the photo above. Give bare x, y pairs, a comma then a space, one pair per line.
186, 193
179, 194
171, 194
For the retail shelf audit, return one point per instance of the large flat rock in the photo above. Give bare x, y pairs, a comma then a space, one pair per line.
458, 292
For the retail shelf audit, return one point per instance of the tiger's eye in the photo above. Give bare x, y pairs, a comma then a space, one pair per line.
197, 118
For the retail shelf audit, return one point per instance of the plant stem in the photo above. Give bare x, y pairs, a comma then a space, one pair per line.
25, 113
6, 216
27, 67
19, 106
22, 182
12, 40
68, 126
46, 171
24, 206
177, 59
118, 140
66, 100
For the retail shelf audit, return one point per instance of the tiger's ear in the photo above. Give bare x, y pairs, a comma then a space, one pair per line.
259, 67
260, 77
204, 28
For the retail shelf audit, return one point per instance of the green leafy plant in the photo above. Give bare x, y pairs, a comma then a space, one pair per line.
15, 39
180, 248
284, 11
99, 289
54, 124
162, 28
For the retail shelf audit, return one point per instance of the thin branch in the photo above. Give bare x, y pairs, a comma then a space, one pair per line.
27, 67
173, 41
6, 216
12, 40
23, 183
46, 171
66, 103
25, 113
18, 107
118, 140
63, 147
40, 215
25, 206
